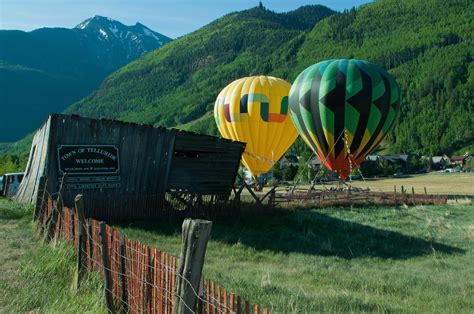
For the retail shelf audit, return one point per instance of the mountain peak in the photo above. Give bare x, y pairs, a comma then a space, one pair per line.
97, 21
106, 29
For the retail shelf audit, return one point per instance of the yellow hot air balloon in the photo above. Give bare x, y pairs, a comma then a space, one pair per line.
254, 110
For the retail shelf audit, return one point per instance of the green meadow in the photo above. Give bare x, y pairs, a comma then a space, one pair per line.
410, 259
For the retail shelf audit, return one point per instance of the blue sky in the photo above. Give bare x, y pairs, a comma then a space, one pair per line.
171, 18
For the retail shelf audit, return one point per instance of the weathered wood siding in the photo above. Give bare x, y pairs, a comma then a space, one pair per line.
152, 162
37, 164
203, 164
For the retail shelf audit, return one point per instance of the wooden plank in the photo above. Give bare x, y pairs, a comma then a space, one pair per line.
195, 235
167, 161
225, 307
213, 297
81, 247
155, 280
208, 296
162, 284
231, 303
106, 269
173, 280
149, 271
123, 270
166, 288
219, 305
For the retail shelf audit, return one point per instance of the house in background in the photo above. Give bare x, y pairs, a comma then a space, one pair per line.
289, 160
439, 162
459, 161
374, 158
316, 163
402, 159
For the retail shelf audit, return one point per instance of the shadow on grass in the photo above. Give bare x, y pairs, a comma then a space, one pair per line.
314, 233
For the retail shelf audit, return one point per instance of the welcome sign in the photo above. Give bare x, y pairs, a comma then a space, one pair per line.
88, 159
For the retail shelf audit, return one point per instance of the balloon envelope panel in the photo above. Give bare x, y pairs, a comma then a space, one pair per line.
343, 109
255, 110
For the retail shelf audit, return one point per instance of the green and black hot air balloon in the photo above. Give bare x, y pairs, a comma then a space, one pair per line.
343, 109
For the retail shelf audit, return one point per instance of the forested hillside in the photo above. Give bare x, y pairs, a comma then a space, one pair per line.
178, 83
427, 45
48, 69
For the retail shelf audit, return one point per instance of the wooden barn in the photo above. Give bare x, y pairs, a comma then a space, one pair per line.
129, 171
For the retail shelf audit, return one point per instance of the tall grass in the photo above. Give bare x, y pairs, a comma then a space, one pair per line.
417, 259
410, 259
37, 277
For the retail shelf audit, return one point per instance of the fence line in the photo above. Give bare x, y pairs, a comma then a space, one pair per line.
144, 279
324, 198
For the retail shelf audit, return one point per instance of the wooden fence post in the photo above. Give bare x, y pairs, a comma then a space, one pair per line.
425, 191
55, 213
50, 225
195, 235
412, 190
91, 244
61, 191
272, 198
104, 248
43, 183
256, 198
81, 241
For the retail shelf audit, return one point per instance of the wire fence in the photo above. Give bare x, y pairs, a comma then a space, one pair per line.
348, 197
143, 279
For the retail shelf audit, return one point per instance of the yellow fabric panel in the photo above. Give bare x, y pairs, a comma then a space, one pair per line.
376, 142
281, 143
365, 140
330, 140
268, 140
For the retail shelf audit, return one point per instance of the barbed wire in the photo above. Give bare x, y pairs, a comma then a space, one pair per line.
132, 273
143, 281
165, 267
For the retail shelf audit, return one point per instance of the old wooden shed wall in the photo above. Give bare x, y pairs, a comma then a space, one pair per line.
152, 162
37, 164
203, 163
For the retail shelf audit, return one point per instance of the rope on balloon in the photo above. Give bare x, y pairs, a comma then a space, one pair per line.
326, 159
351, 159
349, 155
258, 157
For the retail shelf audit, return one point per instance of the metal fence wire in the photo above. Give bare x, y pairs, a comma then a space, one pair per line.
143, 279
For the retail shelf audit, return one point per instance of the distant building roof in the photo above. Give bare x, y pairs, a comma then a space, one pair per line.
315, 160
289, 160
458, 158
438, 159
372, 157
397, 157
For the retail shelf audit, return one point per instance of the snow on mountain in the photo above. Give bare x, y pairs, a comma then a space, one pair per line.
107, 26
136, 39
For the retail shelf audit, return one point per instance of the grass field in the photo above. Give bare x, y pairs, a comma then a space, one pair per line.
435, 183
35, 277
415, 259
410, 259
